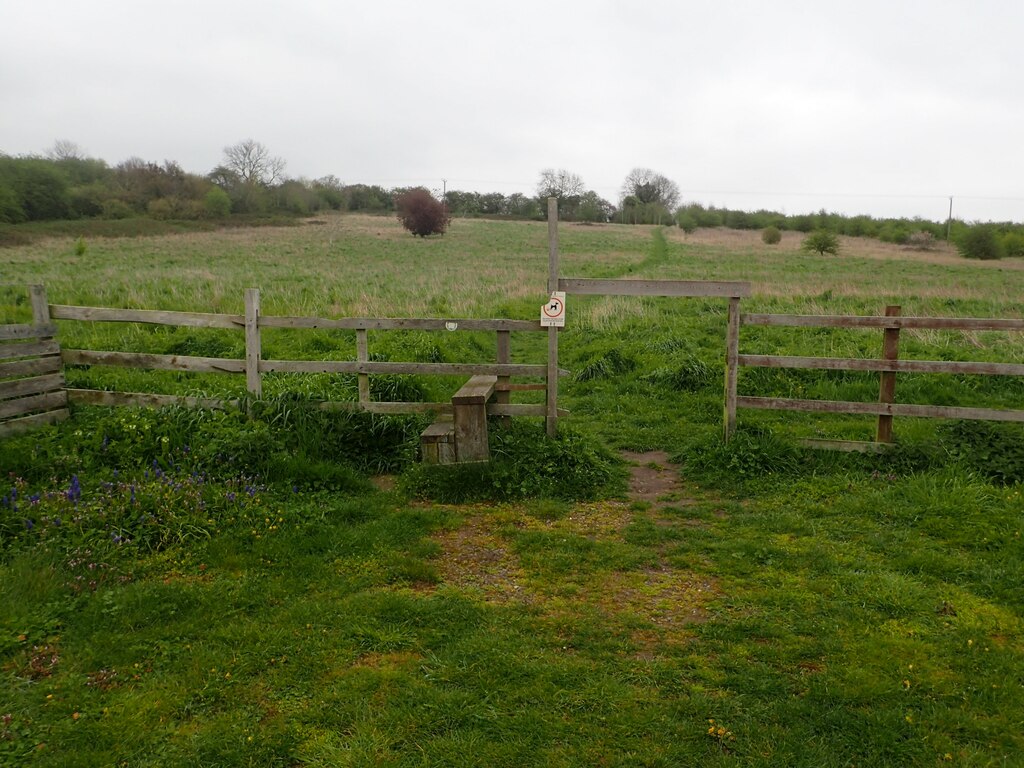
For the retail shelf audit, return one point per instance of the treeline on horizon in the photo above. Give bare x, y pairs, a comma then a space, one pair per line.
67, 186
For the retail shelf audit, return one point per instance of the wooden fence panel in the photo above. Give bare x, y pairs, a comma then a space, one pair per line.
888, 366
31, 380
253, 366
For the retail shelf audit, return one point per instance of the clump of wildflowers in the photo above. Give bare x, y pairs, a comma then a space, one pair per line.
719, 732
163, 507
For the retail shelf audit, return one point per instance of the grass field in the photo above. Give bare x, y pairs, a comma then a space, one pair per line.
186, 589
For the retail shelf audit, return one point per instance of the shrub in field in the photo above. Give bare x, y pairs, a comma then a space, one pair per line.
921, 241
821, 241
1013, 244
893, 232
687, 222
771, 236
217, 203
422, 214
115, 209
980, 242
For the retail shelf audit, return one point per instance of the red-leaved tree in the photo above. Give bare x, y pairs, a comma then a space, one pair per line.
421, 213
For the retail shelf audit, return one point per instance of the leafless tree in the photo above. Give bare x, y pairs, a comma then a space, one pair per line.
251, 162
64, 149
650, 187
559, 183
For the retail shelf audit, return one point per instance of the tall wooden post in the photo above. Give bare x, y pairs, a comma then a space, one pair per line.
887, 387
551, 420
253, 349
732, 353
504, 357
363, 356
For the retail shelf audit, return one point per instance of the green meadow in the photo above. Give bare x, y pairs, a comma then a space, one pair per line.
279, 586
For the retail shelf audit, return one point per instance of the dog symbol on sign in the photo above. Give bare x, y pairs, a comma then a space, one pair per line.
553, 313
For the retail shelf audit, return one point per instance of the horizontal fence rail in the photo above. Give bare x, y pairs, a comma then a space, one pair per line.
887, 366
253, 366
681, 288
872, 321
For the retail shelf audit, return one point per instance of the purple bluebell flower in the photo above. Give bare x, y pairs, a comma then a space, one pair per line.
74, 492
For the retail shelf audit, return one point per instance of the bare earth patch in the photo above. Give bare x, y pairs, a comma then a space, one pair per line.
478, 556
654, 479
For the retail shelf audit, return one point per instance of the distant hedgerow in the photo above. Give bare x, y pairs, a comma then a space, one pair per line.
422, 214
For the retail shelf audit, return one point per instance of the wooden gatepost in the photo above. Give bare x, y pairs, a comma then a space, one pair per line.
32, 390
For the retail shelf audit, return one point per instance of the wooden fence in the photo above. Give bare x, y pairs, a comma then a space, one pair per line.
887, 366
31, 382
253, 366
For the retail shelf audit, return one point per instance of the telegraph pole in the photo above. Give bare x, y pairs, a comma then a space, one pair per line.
949, 219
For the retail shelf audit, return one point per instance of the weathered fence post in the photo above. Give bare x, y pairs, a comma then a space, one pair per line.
253, 349
551, 420
363, 356
40, 307
504, 357
732, 352
887, 386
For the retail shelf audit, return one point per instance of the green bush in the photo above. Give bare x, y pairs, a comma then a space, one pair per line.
217, 204
116, 209
893, 232
821, 241
980, 242
771, 236
1013, 244
686, 222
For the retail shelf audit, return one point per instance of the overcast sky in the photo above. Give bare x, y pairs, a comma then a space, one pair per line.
885, 108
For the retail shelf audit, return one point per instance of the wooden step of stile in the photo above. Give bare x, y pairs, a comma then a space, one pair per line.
437, 442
